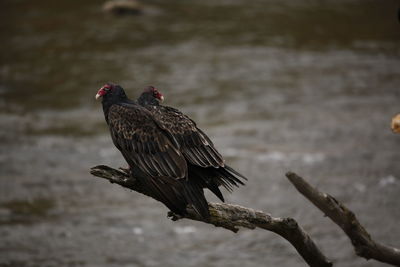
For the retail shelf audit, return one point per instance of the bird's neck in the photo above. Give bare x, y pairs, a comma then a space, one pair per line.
146, 99
106, 108
108, 103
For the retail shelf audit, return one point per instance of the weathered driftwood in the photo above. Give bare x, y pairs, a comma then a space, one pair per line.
363, 244
232, 217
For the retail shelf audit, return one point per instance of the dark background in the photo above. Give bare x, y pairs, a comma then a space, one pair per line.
307, 86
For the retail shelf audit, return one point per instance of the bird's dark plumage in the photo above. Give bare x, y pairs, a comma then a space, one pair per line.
142, 142
165, 150
205, 164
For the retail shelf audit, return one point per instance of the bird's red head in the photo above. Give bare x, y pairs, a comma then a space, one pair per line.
104, 90
154, 92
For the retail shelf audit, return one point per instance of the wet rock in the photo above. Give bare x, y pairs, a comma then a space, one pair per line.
123, 7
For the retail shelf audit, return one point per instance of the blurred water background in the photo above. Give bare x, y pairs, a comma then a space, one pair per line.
307, 86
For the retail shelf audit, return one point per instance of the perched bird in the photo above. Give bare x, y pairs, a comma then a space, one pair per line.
166, 152
205, 164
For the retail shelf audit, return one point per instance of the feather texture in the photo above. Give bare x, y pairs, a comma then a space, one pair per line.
143, 143
206, 167
166, 151
193, 143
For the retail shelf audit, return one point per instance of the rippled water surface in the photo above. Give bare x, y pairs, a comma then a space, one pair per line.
307, 86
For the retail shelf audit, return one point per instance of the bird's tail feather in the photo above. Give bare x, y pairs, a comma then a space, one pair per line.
229, 178
177, 194
212, 178
205, 179
195, 197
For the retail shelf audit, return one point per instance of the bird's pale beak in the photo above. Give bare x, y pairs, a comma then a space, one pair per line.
161, 98
98, 96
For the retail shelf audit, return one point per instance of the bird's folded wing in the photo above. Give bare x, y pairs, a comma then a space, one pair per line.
143, 143
194, 143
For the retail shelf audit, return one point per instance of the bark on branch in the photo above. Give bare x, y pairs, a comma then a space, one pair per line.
232, 217
363, 244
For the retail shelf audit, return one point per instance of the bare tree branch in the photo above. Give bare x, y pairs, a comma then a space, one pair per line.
232, 217
363, 244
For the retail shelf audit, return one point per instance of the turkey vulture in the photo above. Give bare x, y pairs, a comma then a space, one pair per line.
166, 152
